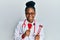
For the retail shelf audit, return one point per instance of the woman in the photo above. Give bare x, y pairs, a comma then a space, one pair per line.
29, 28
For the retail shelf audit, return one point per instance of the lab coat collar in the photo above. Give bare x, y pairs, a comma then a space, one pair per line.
28, 22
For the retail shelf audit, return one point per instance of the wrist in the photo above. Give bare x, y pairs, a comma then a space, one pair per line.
23, 36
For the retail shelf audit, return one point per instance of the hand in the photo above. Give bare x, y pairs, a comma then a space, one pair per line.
27, 33
37, 37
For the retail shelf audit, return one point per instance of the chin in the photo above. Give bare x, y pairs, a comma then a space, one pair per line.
31, 20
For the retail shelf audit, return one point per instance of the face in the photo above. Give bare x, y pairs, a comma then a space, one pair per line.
30, 14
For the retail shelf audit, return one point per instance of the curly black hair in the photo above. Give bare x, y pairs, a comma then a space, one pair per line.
30, 4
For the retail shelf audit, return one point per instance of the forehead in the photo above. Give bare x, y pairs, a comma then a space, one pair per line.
30, 10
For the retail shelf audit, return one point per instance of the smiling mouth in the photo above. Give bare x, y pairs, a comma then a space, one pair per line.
30, 18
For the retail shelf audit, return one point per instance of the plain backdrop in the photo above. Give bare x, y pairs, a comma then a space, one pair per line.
12, 11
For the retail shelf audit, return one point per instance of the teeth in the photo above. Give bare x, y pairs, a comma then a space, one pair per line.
30, 17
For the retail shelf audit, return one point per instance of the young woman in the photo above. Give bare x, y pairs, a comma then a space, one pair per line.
29, 28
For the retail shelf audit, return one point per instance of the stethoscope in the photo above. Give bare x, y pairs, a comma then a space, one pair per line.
40, 26
24, 24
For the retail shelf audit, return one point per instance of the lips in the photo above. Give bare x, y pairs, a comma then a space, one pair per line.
30, 17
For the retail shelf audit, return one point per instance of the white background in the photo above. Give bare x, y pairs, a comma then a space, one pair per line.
12, 11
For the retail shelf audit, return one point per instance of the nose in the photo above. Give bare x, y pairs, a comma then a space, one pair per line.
30, 15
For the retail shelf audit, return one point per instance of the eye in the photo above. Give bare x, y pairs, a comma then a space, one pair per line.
30, 13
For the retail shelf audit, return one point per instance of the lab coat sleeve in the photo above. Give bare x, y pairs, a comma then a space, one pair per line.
18, 32
42, 34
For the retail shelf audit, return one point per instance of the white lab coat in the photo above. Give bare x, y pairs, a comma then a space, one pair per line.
21, 30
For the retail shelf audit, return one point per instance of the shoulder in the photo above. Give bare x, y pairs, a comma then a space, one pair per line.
20, 22
39, 24
19, 25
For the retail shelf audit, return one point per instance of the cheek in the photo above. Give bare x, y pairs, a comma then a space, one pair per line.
27, 16
33, 16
